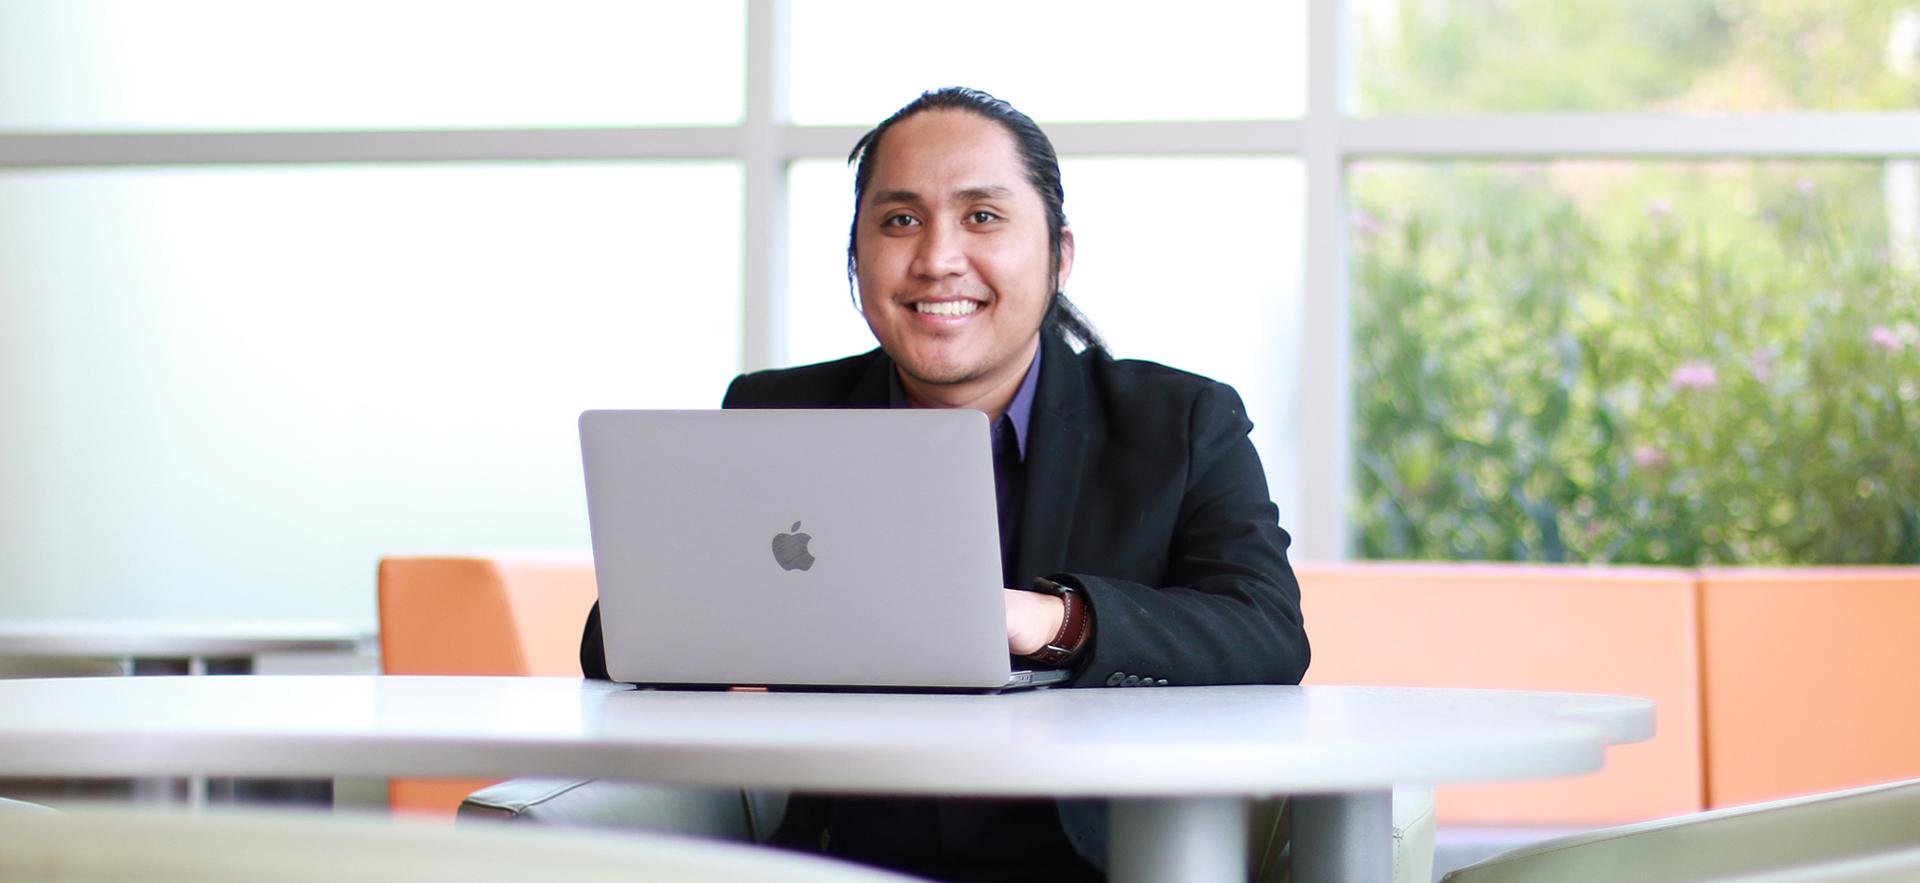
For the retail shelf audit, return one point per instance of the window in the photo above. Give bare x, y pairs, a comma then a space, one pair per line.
1072, 61
235, 65
248, 383
1640, 362
1664, 56
1591, 358
354, 254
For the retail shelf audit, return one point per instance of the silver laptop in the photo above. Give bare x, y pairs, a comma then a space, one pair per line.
819, 549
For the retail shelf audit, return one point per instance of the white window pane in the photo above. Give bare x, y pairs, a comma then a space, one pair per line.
1695, 57
823, 321
1086, 60
1674, 363
115, 65
228, 390
1190, 262
1196, 263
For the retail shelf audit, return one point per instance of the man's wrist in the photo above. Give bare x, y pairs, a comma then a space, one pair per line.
1076, 624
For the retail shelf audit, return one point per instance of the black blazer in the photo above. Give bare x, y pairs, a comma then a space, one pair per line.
1142, 489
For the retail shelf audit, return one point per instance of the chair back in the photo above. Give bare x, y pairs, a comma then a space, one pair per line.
484, 615
1870, 827
145, 846
478, 615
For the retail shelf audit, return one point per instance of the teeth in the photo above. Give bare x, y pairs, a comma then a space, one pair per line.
948, 308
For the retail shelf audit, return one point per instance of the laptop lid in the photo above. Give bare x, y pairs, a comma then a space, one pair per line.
838, 548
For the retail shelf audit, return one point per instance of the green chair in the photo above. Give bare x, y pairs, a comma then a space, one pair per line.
1873, 831
9, 807
145, 846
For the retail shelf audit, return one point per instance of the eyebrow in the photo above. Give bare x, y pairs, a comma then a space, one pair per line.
967, 194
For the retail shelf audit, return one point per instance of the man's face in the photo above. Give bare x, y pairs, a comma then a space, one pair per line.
952, 251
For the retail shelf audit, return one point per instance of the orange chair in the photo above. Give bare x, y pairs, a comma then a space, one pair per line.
1619, 630
478, 616
1811, 674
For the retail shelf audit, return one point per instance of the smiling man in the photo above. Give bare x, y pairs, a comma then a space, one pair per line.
1139, 545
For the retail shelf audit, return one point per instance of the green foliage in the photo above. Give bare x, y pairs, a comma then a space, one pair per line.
1522, 56
1634, 362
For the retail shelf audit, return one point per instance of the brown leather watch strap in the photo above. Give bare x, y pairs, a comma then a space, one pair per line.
1075, 626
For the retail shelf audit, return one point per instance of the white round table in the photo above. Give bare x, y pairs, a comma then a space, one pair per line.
1179, 763
196, 642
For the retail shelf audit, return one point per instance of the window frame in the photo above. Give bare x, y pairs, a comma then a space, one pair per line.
1326, 140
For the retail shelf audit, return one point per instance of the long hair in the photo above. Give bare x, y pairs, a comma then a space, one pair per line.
1043, 172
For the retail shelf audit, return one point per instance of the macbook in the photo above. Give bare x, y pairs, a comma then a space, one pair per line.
833, 549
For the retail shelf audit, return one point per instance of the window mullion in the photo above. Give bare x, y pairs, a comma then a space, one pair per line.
763, 313
1325, 400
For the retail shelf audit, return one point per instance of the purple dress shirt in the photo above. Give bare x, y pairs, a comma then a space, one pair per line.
1009, 440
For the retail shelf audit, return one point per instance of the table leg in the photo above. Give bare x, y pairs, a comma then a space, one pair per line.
1191, 839
360, 795
1343, 837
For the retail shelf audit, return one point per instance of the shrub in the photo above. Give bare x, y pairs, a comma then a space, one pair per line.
1633, 362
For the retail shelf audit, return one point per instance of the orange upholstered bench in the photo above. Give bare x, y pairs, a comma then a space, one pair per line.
1620, 630
1811, 677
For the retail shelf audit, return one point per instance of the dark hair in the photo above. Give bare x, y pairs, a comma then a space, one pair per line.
1043, 172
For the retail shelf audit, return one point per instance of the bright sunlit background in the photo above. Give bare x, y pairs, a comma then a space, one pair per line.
252, 338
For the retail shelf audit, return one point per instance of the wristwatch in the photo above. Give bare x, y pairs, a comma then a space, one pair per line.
1075, 626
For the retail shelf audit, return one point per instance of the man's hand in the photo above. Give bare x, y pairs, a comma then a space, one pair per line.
1032, 620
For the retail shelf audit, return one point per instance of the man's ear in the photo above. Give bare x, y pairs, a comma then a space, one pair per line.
1066, 256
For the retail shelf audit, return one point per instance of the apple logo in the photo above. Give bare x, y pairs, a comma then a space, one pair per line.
790, 549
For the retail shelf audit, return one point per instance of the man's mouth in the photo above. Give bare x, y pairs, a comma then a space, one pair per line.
947, 307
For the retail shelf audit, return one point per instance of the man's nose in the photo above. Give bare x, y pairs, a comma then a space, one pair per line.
940, 251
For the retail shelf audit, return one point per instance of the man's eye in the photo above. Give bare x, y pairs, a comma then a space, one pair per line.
900, 221
983, 216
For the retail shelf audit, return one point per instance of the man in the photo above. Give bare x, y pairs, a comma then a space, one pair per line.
1130, 495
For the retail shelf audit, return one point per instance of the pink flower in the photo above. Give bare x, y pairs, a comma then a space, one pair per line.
1365, 224
1648, 456
1886, 338
1696, 374
1805, 184
1659, 208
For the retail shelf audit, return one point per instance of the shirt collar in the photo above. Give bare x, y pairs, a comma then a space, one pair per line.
1019, 411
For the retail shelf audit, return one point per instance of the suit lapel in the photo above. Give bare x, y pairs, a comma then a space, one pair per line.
1056, 458
870, 390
